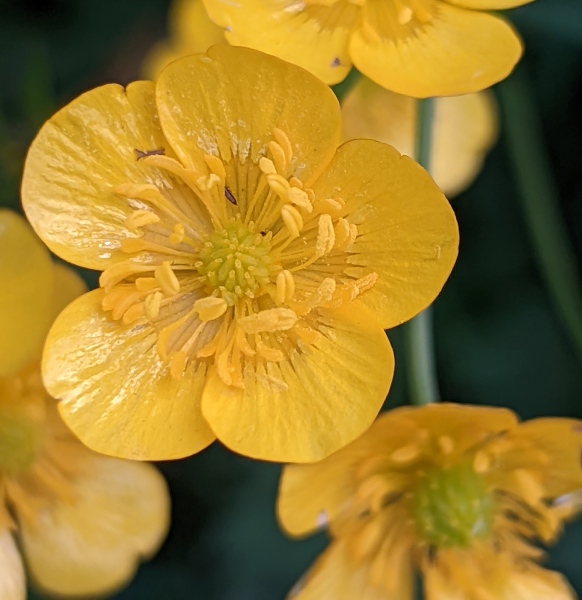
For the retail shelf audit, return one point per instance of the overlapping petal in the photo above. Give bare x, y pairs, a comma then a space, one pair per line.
12, 582
459, 51
115, 391
26, 278
208, 105
407, 231
489, 4
93, 545
78, 159
334, 389
314, 37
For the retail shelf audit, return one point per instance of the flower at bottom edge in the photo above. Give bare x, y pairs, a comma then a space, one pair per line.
83, 521
249, 264
457, 493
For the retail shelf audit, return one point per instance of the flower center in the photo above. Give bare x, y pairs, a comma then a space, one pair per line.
452, 507
235, 261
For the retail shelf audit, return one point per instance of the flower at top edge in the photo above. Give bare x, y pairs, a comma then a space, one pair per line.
418, 48
249, 264
82, 521
465, 129
459, 494
190, 32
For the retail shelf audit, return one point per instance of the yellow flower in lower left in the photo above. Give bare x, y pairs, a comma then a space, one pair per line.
82, 520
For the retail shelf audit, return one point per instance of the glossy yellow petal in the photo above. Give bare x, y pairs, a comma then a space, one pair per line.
75, 163
537, 584
312, 403
489, 4
191, 32
93, 545
465, 128
336, 576
208, 105
116, 394
314, 37
459, 51
67, 286
560, 440
12, 582
26, 276
407, 230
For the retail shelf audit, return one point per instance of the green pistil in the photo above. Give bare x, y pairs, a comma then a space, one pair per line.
453, 507
235, 261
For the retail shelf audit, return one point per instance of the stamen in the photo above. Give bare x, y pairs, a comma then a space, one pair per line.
267, 166
406, 453
178, 236
292, 219
282, 139
152, 305
210, 308
285, 287
167, 279
300, 198
325, 236
279, 157
140, 218
272, 319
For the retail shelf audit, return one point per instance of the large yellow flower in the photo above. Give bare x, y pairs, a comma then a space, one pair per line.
250, 265
417, 48
458, 493
83, 521
465, 128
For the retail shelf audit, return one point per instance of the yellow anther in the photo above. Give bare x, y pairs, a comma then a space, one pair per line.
406, 453
216, 166
353, 233
243, 344
279, 157
279, 185
140, 218
446, 444
273, 319
267, 166
167, 279
294, 182
292, 219
331, 206
207, 183
133, 313
342, 234
325, 236
210, 308
152, 305
283, 141
178, 236
531, 486
405, 15
481, 462
268, 353
146, 284
324, 292
285, 287
133, 245
300, 198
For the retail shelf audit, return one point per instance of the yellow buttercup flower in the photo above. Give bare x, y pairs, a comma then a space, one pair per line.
83, 521
418, 48
191, 32
458, 493
250, 264
465, 128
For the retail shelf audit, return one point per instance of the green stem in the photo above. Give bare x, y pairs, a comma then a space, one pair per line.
418, 333
540, 203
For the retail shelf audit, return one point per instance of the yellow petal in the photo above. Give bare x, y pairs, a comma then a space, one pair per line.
407, 230
117, 395
312, 403
465, 128
537, 584
191, 32
67, 286
459, 51
12, 582
77, 160
335, 577
560, 440
314, 37
230, 101
93, 545
26, 276
489, 4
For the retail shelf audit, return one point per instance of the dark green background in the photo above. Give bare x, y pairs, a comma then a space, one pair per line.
499, 340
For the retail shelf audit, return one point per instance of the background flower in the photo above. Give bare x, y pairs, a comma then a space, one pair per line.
83, 521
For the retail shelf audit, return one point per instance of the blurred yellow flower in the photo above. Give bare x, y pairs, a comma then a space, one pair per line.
83, 521
458, 493
418, 48
190, 32
250, 264
465, 129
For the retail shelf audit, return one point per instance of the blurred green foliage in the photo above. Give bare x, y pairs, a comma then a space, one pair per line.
499, 340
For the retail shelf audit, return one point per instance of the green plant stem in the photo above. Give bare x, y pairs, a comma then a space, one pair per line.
418, 333
540, 203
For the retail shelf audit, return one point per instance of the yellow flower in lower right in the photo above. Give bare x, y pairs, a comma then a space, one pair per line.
460, 494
